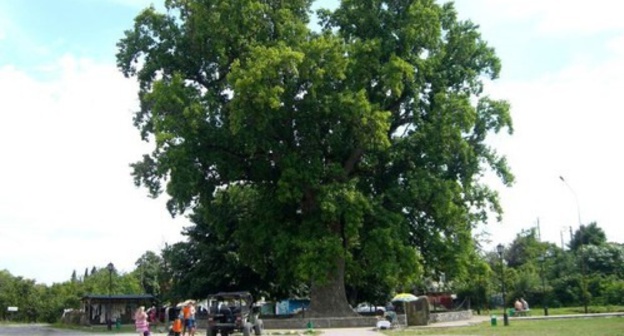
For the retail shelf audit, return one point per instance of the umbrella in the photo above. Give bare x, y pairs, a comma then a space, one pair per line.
404, 297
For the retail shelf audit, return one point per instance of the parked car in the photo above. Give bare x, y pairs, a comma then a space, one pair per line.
367, 308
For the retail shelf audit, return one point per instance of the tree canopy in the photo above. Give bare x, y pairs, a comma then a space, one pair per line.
590, 234
351, 154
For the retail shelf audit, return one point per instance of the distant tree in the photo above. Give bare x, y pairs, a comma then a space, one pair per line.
93, 270
525, 248
148, 267
588, 235
605, 259
86, 273
73, 278
478, 285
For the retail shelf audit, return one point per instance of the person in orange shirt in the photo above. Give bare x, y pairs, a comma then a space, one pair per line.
176, 328
186, 312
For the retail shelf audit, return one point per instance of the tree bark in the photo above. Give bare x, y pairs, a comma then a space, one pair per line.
329, 299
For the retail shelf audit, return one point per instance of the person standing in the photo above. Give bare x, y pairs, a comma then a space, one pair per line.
191, 319
186, 313
140, 322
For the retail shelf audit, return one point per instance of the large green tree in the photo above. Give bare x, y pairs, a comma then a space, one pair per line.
358, 148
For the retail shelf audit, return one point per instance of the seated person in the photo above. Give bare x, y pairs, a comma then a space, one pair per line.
227, 313
525, 306
391, 316
519, 309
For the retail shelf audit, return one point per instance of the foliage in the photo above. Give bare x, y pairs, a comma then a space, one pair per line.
148, 268
525, 248
607, 259
614, 292
41, 303
477, 286
356, 151
551, 327
587, 235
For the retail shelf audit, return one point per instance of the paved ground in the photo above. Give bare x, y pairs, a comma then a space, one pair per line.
34, 330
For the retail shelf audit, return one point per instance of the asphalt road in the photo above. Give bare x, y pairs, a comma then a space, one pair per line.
34, 330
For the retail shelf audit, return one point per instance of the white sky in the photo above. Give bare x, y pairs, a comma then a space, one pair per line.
67, 200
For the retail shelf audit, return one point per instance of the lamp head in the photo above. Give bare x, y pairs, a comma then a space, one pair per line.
110, 267
500, 249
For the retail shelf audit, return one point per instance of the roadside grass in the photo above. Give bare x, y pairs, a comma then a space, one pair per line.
579, 310
597, 326
539, 311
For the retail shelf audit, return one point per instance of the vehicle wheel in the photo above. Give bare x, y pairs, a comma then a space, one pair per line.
380, 312
224, 333
247, 329
258, 327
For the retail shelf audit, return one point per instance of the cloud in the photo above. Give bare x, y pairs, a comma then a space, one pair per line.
616, 45
566, 123
68, 201
550, 17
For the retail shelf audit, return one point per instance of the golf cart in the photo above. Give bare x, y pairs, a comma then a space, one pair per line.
233, 311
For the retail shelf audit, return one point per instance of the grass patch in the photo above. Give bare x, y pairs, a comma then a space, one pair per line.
539, 311
580, 310
600, 326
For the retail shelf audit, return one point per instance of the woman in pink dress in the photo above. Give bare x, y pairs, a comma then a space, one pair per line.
140, 322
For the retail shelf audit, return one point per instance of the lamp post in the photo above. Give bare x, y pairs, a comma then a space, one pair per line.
541, 259
501, 249
580, 248
110, 268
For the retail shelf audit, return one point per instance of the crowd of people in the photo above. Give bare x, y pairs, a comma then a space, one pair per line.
182, 325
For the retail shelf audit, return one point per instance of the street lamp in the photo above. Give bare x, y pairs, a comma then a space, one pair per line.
581, 243
541, 260
110, 268
501, 249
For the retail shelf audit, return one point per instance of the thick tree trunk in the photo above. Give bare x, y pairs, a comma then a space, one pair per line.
329, 299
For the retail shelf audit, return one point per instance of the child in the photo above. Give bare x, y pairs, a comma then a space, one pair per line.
176, 327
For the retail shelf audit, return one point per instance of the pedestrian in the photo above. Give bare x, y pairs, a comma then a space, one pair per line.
176, 327
140, 322
191, 319
186, 313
